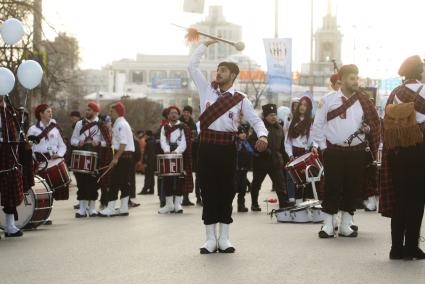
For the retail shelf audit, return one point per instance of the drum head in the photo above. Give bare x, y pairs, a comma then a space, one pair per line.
25, 211
299, 159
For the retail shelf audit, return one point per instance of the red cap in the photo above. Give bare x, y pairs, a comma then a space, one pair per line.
94, 106
410, 65
174, 107
39, 109
120, 108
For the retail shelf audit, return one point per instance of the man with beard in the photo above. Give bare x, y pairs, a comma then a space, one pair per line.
90, 134
271, 161
221, 108
341, 114
187, 119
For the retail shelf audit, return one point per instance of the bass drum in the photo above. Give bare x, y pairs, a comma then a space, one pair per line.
36, 207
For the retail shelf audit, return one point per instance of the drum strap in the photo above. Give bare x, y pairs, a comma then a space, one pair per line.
46, 130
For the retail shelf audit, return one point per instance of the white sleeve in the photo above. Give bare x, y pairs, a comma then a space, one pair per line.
201, 82
31, 131
254, 120
288, 145
75, 138
318, 134
163, 140
61, 146
181, 143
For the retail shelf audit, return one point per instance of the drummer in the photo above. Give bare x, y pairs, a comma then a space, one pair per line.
90, 134
175, 139
298, 139
51, 143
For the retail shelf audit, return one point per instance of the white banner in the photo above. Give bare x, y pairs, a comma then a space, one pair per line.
279, 64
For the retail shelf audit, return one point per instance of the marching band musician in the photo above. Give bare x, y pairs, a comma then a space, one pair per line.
176, 139
90, 134
52, 144
11, 183
123, 148
298, 139
402, 196
340, 114
221, 108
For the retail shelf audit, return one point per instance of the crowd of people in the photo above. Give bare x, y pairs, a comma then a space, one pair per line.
214, 156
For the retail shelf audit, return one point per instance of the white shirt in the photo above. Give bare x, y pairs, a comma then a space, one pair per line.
337, 130
121, 134
230, 120
176, 137
300, 142
93, 132
53, 144
414, 87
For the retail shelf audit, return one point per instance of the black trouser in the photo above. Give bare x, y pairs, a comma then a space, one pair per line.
344, 177
87, 186
132, 179
278, 180
197, 186
149, 178
173, 186
241, 184
408, 176
217, 166
120, 179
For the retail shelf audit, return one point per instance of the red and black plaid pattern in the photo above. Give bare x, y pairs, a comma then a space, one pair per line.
217, 109
87, 126
208, 136
127, 155
9, 125
342, 110
170, 129
187, 161
386, 183
300, 128
105, 154
11, 181
46, 131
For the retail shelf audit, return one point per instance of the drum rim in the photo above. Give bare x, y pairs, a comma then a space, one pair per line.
298, 159
169, 156
84, 153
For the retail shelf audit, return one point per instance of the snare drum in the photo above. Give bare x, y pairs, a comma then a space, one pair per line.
36, 207
297, 168
84, 162
56, 174
169, 165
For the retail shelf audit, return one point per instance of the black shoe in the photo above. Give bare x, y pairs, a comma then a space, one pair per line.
77, 206
324, 235
78, 215
199, 202
205, 251
352, 235
144, 191
186, 202
287, 204
93, 215
228, 250
416, 253
242, 208
396, 253
48, 223
132, 204
255, 208
14, 235
150, 191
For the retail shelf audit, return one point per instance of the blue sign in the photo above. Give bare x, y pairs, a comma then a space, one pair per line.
166, 83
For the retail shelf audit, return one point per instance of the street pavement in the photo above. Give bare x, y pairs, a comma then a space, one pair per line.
150, 248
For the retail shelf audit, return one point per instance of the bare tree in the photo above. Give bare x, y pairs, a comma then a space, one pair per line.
255, 85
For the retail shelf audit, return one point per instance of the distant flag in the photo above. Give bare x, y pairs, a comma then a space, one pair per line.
194, 6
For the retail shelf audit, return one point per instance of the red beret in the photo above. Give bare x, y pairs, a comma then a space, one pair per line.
347, 69
174, 107
94, 106
410, 66
334, 78
120, 108
39, 109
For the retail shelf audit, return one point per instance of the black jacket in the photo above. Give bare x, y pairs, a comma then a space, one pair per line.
149, 155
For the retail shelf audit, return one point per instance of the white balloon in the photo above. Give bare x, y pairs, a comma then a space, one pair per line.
30, 74
283, 112
12, 31
7, 81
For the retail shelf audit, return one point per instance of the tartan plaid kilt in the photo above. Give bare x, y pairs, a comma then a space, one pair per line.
105, 158
11, 183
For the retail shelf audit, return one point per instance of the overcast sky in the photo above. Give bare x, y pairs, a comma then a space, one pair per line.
378, 35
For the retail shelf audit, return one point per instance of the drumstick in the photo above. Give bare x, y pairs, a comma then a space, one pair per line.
102, 168
103, 174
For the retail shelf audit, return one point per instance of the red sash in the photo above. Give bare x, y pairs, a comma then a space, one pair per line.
46, 131
217, 109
